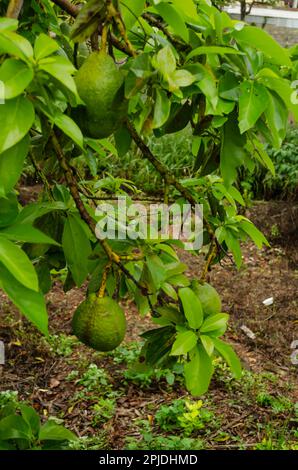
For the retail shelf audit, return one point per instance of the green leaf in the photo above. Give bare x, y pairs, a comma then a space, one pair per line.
220, 50
131, 10
123, 141
29, 302
229, 356
35, 210
18, 263
184, 343
13, 44
261, 40
157, 270
214, 322
206, 82
16, 118
255, 234
252, 103
70, 128
280, 86
11, 165
165, 61
234, 246
192, 307
8, 209
61, 69
232, 152
77, 249
276, 115
30, 416
258, 150
182, 78
50, 431
198, 372
161, 109
16, 76
170, 14
8, 24
26, 233
208, 344
14, 427
44, 46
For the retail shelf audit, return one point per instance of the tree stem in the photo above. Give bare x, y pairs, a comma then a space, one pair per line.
14, 8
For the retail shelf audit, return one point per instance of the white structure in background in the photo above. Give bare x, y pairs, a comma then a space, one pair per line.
287, 18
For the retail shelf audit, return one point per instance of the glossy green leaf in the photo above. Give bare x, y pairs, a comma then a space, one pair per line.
220, 50
255, 234
51, 431
8, 209
13, 44
61, 69
18, 263
261, 40
16, 76
229, 356
30, 416
77, 249
8, 24
276, 116
208, 344
16, 118
26, 233
161, 109
232, 152
14, 427
44, 46
198, 372
11, 165
131, 10
192, 307
70, 128
214, 322
184, 343
29, 302
253, 102
33, 211
234, 246
170, 14
165, 61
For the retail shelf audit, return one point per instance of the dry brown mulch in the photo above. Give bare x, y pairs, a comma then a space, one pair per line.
39, 376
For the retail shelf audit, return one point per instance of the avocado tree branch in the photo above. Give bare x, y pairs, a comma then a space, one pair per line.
156, 22
163, 170
14, 8
73, 188
73, 10
68, 7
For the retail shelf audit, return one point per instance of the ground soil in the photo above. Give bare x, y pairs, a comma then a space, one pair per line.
39, 376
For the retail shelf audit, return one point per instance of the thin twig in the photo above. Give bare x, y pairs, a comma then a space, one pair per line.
163, 170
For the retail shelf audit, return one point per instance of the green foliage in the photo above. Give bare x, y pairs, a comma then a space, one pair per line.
185, 416
283, 184
180, 67
62, 345
21, 428
93, 378
103, 411
152, 442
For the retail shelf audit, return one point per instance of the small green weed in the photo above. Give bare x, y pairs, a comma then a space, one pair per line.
62, 345
184, 415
